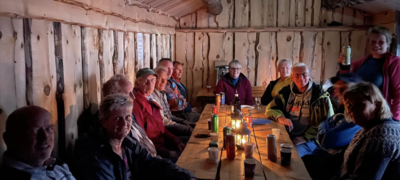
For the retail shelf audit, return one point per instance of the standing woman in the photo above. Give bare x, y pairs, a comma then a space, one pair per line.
284, 68
380, 68
374, 152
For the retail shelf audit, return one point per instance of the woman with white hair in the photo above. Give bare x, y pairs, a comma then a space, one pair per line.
374, 152
284, 68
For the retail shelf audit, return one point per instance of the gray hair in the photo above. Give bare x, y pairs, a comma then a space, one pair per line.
113, 84
300, 64
113, 102
234, 62
160, 68
369, 92
285, 61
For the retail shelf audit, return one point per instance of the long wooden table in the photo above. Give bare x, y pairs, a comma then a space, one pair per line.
194, 157
256, 91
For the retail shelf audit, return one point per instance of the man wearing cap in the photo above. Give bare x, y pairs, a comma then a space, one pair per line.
334, 134
148, 116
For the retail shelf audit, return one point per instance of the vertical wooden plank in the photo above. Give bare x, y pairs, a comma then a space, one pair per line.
285, 45
274, 55
225, 19
344, 39
73, 90
201, 50
119, 53
308, 13
188, 21
264, 48
44, 70
212, 22
316, 64
153, 51
181, 54
323, 18
338, 14
160, 52
358, 44
348, 16
293, 12
168, 45
296, 47
283, 13
228, 47
130, 56
172, 47
251, 58
256, 13
308, 48
108, 50
165, 46
91, 73
146, 50
241, 13
12, 56
317, 13
190, 59
270, 13
216, 54
140, 51
331, 53
329, 16
241, 51
202, 18
359, 18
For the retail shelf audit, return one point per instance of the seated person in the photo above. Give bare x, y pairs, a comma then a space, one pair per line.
235, 82
120, 84
284, 67
334, 135
176, 78
374, 152
301, 107
29, 137
178, 104
175, 125
148, 115
111, 154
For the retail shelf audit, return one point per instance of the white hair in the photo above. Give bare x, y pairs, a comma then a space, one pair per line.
300, 64
234, 62
113, 85
285, 61
113, 102
160, 68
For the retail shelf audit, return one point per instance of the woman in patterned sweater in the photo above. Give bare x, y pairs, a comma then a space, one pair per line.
374, 152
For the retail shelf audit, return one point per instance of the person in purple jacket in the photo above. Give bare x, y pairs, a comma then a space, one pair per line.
235, 82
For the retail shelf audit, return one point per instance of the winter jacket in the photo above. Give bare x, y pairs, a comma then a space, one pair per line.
320, 108
148, 116
54, 170
176, 101
243, 88
267, 97
391, 80
181, 88
94, 159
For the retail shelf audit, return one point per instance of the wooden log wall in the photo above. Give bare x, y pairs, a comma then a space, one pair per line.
258, 33
62, 67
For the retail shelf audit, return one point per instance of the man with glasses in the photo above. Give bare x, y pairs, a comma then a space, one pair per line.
301, 107
235, 82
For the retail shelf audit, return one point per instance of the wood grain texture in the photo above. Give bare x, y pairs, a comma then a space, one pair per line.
119, 53
271, 14
265, 58
296, 47
228, 47
181, 55
256, 13
251, 58
317, 13
285, 45
202, 19
153, 51
172, 47
12, 56
108, 51
225, 19
358, 45
316, 65
160, 49
188, 21
308, 49
73, 90
308, 12
130, 56
146, 50
283, 13
358, 18
200, 62
190, 58
212, 21
348, 16
216, 54
167, 45
293, 12
338, 15
331, 53
242, 49
241, 13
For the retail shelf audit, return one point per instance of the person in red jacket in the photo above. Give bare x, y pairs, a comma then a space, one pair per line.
234, 82
148, 116
380, 67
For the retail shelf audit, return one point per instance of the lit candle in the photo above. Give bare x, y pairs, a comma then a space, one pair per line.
237, 124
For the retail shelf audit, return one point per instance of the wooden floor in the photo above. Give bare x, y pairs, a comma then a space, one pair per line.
194, 157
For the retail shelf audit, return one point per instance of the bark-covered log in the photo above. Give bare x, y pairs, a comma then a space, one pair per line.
213, 6
333, 4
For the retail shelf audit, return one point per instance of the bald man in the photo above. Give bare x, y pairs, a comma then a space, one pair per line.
29, 137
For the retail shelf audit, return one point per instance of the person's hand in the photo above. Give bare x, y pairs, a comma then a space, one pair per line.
181, 147
194, 109
299, 140
341, 58
286, 122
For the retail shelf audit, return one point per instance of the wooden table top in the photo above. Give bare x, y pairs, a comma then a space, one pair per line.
194, 157
257, 91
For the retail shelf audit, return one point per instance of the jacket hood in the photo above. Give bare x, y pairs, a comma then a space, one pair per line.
317, 91
309, 85
227, 76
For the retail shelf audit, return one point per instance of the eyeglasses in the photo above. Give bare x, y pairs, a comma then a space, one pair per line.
235, 69
304, 75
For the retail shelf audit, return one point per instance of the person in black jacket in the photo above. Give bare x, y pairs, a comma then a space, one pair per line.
110, 154
284, 68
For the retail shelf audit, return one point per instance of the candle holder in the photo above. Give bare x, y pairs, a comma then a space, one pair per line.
242, 135
236, 119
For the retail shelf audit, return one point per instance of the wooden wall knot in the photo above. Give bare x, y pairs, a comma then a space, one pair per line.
46, 90
1, 111
328, 43
217, 56
289, 38
38, 37
15, 34
1, 34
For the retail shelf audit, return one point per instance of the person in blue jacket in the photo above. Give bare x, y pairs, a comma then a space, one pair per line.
334, 134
